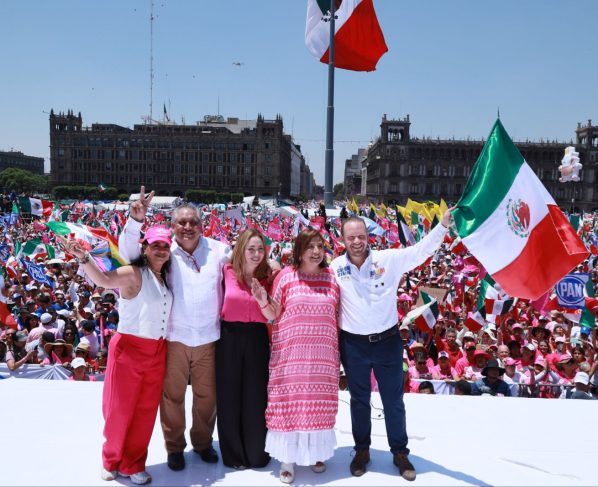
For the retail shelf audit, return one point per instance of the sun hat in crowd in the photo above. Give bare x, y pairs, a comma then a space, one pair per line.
82, 347
480, 352
78, 362
158, 233
48, 346
45, 318
492, 364
582, 378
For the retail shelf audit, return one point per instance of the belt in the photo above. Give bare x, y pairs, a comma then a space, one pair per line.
376, 337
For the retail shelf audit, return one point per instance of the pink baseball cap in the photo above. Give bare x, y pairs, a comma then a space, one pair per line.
516, 325
565, 358
540, 361
158, 233
510, 361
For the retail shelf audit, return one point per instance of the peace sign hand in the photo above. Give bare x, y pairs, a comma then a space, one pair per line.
72, 247
138, 208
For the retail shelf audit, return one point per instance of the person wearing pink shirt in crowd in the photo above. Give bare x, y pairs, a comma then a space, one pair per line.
474, 373
137, 354
512, 375
419, 347
419, 370
468, 360
242, 355
566, 368
79, 367
444, 371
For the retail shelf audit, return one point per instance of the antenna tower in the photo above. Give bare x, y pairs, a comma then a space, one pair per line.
151, 105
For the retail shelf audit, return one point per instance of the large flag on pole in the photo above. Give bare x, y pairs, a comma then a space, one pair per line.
358, 40
512, 225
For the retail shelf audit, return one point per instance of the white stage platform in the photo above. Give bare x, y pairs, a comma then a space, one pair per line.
51, 434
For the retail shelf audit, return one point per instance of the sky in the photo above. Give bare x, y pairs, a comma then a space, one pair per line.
451, 66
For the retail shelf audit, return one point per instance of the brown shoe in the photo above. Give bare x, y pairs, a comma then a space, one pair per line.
406, 469
359, 462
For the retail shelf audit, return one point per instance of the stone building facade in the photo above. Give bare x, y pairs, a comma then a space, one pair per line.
254, 157
18, 160
399, 166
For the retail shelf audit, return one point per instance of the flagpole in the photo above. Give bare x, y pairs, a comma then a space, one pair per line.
329, 159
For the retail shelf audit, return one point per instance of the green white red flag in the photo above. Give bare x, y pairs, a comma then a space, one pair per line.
358, 40
424, 316
35, 206
511, 224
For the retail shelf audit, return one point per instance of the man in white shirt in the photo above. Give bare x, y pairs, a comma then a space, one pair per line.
195, 279
370, 338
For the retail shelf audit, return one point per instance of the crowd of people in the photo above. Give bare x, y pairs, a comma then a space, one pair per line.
267, 319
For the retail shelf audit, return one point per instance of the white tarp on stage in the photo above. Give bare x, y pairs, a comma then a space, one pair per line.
52, 435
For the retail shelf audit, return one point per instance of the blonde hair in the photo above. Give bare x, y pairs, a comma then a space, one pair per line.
238, 259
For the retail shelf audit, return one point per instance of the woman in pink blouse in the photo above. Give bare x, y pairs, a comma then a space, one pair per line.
242, 356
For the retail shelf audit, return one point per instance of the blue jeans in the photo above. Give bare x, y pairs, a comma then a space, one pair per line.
359, 357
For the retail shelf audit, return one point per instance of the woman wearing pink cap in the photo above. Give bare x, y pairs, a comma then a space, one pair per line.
137, 353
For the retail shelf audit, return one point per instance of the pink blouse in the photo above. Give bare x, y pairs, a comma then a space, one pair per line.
239, 304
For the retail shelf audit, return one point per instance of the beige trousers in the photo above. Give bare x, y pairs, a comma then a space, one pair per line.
182, 363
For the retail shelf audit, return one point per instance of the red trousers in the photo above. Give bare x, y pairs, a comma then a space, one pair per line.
132, 392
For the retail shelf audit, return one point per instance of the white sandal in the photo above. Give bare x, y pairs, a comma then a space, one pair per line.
319, 467
287, 473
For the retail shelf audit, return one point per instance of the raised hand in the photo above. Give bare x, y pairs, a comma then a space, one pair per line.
258, 291
71, 246
138, 208
446, 218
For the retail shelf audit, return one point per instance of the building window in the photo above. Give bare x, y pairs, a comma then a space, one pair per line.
219, 169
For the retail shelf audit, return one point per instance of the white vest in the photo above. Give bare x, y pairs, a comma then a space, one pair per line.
146, 315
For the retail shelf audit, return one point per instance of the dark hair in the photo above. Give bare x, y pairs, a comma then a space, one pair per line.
353, 219
142, 262
88, 325
419, 356
302, 242
426, 385
463, 387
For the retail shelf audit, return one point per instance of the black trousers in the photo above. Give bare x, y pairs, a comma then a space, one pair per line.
242, 356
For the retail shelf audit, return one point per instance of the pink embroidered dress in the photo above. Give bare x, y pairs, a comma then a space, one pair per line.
304, 368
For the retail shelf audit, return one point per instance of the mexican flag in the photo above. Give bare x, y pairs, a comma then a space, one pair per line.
36, 248
358, 39
88, 234
35, 206
498, 307
512, 225
475, 321
424, 316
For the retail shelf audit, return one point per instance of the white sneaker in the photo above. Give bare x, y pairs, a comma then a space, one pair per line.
138, 478
287, 473
109, 474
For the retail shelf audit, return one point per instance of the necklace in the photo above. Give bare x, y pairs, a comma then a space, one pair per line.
158, 275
